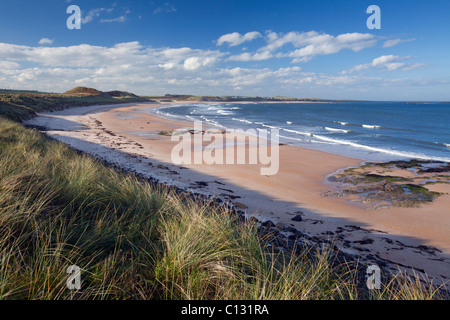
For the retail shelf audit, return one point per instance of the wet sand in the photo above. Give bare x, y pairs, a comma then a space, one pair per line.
129, 137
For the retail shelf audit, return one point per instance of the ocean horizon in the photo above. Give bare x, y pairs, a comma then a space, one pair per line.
368, 130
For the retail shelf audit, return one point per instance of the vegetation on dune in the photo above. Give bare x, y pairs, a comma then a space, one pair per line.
16, 91
166, 133
187, 97
136, 240
22, 106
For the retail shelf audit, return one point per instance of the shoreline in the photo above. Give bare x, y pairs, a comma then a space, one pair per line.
320, 141
295, 192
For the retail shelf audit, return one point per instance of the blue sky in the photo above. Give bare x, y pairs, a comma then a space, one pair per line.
297, 48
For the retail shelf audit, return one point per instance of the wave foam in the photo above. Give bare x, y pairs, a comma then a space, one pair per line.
242, 120
341, 122
269, 126
386, 151
298, 132
336, 130
370, 126
225, 112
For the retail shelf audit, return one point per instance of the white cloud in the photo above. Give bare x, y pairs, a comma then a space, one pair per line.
125, 64
46, 41
246, 56
192, 63
394, 42
165, 8
118, 19
167, 66
288, 71
97, 12
148, 70
94, 13
324, 44
8, 65
306, 44
235, 38
386, 62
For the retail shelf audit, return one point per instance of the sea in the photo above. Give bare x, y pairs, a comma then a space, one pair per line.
372, 131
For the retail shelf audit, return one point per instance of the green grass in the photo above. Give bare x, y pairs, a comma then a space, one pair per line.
165, 133
134, 240
371, 177
21, 107
425, 194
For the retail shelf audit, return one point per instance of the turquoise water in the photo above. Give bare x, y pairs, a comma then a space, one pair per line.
367, 130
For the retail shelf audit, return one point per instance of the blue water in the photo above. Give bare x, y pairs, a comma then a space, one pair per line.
374, 131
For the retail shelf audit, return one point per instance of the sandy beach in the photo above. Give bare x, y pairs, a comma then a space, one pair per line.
129, 137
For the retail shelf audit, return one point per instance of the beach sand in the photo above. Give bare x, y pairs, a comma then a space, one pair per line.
127, 136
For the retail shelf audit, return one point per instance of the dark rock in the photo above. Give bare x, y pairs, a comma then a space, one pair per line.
297, 218
382, 263
268, 224
293, 236
339, 230
290, 229
364, 241
274, 231
280, 225
240, 205
371, 257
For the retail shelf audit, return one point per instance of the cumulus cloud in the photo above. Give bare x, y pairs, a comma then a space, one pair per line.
131, 66
389, 61
46, 41
8, 65
306, 45
386, 62
313, 44
246, 56
235, 38
143, 69
124, 64
85, 55
192, 63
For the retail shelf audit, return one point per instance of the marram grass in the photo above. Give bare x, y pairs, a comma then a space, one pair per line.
133, 240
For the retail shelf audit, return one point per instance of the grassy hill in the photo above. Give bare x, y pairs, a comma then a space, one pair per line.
14, 91
22, 106
187, 97
83, 91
